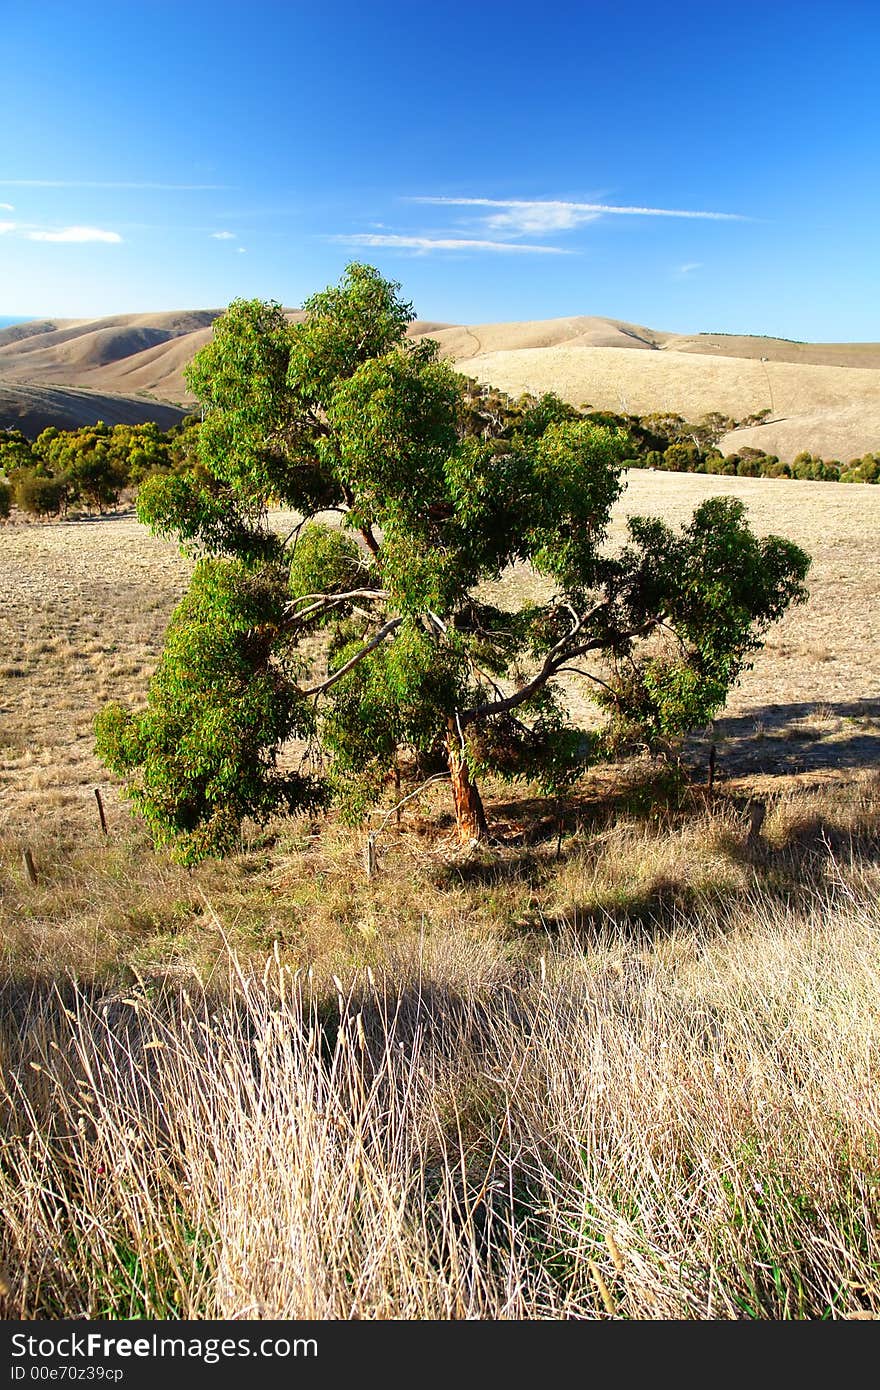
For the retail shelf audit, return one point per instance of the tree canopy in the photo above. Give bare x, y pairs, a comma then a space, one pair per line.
364, 634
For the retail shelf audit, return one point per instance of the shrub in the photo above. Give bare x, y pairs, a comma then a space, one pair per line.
749, 468
870, 468
39, 494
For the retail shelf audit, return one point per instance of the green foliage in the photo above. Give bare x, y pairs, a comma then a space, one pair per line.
204, 754
207, 519
684, 458
326, 561
15, 452
546, 751
716, 588
345, 326
372, 639
399, 696
536, 415
5, 499
90, 467
863, 470
393, 424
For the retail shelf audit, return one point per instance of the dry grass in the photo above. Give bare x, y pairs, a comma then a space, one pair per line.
831, 410
681, 1128
85, 607
620, 1061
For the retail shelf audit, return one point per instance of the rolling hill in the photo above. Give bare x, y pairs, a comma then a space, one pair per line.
34, 408
821, 396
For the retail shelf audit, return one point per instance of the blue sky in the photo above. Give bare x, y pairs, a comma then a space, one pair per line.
708, 166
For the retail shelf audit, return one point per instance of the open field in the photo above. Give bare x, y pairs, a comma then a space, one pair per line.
831, 411
86, 604
622, 1062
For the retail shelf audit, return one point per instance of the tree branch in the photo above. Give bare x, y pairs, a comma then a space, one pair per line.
323, 603
556, 658
371, 542
385, 631
578, 671
321, 600
436, 777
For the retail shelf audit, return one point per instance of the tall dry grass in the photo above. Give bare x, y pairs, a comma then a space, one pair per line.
684, 1125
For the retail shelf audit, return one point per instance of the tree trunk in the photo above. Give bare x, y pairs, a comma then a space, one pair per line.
470, 817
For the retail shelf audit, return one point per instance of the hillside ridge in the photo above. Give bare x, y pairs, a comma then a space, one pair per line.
821, 396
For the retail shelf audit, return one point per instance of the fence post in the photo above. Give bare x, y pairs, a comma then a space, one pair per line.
757, 812
29, 866
370, 855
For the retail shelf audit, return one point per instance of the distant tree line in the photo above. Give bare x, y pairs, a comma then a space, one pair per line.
667, 441
89, 469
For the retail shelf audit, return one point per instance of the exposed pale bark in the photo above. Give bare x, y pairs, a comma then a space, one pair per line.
470, 816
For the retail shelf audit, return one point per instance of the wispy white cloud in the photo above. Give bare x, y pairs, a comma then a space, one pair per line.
242, 250
427, 243
689, 268
223, 236
7, 227
7, 207
539, 217
518, 216
75, 234
99, 183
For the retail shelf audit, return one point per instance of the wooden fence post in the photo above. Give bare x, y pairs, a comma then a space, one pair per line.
757, 812
370, 855
29, 866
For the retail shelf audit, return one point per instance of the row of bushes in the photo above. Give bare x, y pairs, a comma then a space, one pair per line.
668, 441
91, 467
754, 463
86, 468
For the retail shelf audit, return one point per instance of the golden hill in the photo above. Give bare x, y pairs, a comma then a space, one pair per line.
822, 396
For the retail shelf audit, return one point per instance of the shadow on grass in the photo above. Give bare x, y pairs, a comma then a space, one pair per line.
530, 835
787, 869
794, 738
663, 906
799, 862
788, 875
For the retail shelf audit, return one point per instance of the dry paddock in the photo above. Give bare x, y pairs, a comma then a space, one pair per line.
85, 605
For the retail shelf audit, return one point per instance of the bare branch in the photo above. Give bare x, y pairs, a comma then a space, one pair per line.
294, 534
436, 777
385, 631
325, 603
579, 671
341, 597
554, 661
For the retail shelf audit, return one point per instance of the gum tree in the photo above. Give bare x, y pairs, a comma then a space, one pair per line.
363, 633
